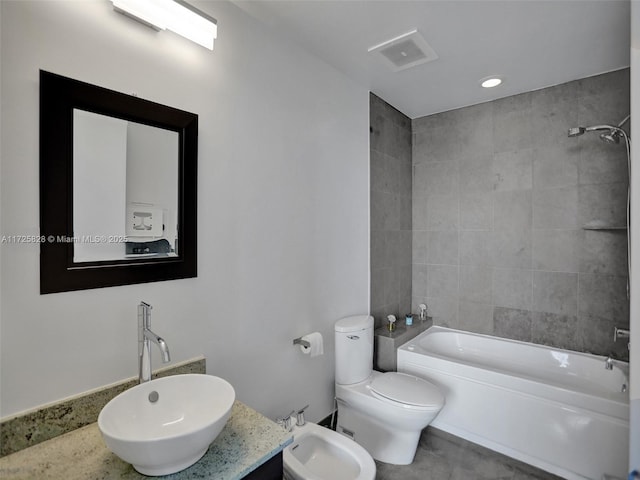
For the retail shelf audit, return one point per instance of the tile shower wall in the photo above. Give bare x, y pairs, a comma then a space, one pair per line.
500, 198
390, 210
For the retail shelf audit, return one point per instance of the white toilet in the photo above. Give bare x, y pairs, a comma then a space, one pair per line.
383, 412
318, 453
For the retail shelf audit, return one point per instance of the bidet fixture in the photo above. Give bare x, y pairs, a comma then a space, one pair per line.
286, 421
300, 421
145, 337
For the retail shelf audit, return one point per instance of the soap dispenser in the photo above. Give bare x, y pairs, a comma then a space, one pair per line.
392, 322
423, 312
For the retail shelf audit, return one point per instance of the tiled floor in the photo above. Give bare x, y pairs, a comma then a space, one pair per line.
442, 456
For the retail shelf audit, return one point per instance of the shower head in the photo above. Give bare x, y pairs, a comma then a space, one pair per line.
612, 136
576, 131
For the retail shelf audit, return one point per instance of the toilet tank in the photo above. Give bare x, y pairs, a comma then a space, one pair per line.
354, 349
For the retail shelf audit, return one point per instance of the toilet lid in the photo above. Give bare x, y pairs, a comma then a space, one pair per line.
407, 389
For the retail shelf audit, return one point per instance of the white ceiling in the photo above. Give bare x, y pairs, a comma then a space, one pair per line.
532, 43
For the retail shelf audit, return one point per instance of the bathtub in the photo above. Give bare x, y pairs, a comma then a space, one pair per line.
558, 410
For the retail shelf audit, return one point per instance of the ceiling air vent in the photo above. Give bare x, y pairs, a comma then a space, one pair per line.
405, 51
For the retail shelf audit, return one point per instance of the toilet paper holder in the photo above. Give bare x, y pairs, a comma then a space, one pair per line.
300, 341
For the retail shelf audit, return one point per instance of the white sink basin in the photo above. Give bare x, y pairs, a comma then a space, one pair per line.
168, 434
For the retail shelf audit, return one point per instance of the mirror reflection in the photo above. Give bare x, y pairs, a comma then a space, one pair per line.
118, 188
125, 196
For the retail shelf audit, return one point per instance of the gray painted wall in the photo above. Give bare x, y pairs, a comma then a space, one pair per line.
499, 198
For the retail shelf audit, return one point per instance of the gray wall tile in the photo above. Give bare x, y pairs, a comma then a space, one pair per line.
476, 211
603, 204
442, 248
444, 311
437, 177
513, 170
618, 80
555, 330
475, 317
476, 173
512, 210
556, 250
555, 165
378, 247
514, 103
596, 335
442, 281
513, 288
512, 130
604, 296
608, 106
512, 323
499, 191
391, 210
474, 133
390, 285
475, 284
419, 211
377, 287
419, 247
604, 252
442, 212
601, 162
555, 208
476, 247
419, 282
511, 248
552, 110
405, 205
555, 292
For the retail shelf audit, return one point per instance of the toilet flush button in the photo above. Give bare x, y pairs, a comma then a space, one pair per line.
411, 347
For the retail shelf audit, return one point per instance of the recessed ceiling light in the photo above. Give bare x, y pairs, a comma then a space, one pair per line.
490, 82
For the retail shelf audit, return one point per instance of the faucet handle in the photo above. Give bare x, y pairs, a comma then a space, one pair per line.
620, 333
300, 416
285, 422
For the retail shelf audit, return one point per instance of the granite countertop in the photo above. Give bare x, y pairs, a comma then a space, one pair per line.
247, 441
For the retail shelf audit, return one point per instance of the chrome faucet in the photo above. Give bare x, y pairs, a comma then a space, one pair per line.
608, 363
145, 337
621, 333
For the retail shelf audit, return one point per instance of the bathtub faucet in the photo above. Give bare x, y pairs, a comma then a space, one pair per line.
145, 337
621, 333
608, 363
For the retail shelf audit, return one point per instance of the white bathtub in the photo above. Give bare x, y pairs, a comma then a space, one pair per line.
558, 410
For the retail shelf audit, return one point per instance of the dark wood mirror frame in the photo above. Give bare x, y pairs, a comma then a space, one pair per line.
59, 96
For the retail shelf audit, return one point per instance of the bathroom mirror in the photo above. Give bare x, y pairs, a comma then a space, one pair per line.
118, 178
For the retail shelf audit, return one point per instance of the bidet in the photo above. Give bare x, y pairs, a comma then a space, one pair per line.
320, 453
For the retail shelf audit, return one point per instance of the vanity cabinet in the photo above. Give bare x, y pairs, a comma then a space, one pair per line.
270, 470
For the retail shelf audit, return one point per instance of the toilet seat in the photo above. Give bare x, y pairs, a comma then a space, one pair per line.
407, 390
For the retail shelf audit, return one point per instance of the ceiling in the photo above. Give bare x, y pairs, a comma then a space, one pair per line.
533, 44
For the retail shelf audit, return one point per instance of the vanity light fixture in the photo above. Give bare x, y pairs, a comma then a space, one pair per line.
490, 82
175, 15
